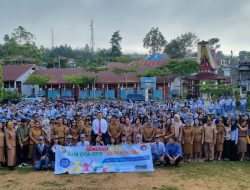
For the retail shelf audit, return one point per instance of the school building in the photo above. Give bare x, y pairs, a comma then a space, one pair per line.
108, 85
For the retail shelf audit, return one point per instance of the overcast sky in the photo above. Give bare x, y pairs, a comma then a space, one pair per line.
229, 20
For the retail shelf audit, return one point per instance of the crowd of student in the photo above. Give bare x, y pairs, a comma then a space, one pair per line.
176, 129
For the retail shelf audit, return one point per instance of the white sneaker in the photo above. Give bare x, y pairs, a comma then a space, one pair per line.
20, 165
24, 164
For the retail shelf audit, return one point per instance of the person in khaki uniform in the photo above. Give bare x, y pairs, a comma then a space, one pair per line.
31, 125
148, 132
35, 118
242, 142
220, 128
80, 123
137, 129
74, 132
1, 145
187, 140
209, 140
34, 134
198, 140
10, 137
59, 130
87, 130
128, 131
169, 130
114, 129
160, 131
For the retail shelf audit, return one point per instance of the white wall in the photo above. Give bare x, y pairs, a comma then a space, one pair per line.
27, 89
175, 85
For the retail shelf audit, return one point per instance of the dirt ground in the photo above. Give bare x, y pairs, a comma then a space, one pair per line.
195, 176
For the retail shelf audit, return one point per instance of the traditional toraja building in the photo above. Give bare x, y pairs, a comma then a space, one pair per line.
108, 84
208, 69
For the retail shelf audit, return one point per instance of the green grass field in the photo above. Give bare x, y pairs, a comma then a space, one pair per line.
216, 175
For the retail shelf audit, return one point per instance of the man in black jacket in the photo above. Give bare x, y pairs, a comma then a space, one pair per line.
41, 154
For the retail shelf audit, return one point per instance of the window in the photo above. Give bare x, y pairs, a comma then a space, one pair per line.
12, 84
6, 84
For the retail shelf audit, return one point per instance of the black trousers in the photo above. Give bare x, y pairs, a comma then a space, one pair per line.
226, 149
177, 161
22, 153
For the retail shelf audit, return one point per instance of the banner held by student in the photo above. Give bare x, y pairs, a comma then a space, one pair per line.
103, 159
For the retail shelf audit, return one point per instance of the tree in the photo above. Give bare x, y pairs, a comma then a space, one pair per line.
244, 56
40, 80
181, 46
217, 90
183, 69
78, 79
151, 73
154, 40
115, 44
127, 70
96, 70
220, 55
21, 44
6, 38
160, 71
123, 59
214, 43
22, 36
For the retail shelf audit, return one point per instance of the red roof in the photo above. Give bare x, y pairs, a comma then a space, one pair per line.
58, 74
227, 80
103, 76
207, 76
13, 72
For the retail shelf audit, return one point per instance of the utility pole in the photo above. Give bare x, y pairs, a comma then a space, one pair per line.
92, 43
59, 61
52, 39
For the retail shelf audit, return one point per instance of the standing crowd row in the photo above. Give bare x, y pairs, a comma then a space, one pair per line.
29, 133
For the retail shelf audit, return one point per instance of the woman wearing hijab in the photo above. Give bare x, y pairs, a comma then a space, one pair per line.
177, 127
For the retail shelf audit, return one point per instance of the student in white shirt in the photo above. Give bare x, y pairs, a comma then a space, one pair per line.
82, 141
243, 103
